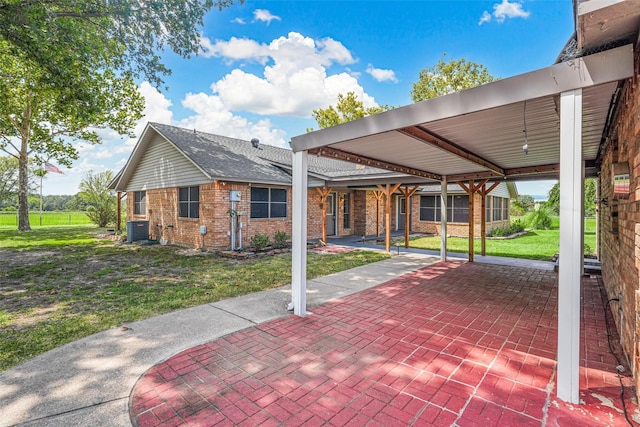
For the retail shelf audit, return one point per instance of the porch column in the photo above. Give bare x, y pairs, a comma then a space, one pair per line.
407, 193
299, 235
570, 264
443, 219
388, 191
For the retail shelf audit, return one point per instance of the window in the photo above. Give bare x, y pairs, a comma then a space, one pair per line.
457, 208
346, 209
268, 202
140, 203
497, 208
458, 211
488, 209
505, 209
189, 202
430, 208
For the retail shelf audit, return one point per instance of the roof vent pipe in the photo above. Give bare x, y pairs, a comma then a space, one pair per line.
255, 142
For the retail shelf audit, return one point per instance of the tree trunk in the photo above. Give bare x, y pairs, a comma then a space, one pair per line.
23, 186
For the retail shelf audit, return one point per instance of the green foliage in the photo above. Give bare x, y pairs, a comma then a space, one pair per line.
281, 239
70, 39
347, 109
590, 197
553, 203
449, 77
260, 241
523, 204
516, 226
540, 219
39, 119
8, 179
101, 201
68, 66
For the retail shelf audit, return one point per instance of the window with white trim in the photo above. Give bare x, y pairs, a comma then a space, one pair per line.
189, 202
139, 202
268, 202
457, 208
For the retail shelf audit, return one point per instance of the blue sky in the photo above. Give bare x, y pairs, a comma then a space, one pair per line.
265, 65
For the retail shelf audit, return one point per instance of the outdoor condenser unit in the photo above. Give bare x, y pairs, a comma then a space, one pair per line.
137, 230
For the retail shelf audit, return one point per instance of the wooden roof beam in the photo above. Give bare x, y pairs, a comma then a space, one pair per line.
434, 140
514, 172
369, 161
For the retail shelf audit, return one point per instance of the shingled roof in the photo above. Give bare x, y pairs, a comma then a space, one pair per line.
225, 156
221, 157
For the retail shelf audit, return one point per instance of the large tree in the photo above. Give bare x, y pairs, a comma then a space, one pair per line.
67, 68
348, 108
40, 120
449, 77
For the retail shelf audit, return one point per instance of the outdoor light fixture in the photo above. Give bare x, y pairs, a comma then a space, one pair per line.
525, 147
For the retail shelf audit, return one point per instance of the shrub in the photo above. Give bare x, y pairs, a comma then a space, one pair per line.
515, 227
260, 241
540, 219
281, 238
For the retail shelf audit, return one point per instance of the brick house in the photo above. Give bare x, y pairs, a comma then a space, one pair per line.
181, 180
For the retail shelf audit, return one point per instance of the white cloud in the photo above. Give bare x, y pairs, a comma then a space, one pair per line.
212, 116
236, 49
294, 83
264, 15
238, 21
486, 17
504, 10
382, 75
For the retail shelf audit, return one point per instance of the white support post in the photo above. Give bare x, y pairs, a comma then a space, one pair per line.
571, 257
443, 219
299, 235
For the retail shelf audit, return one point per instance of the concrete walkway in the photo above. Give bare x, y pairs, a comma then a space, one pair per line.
88, 382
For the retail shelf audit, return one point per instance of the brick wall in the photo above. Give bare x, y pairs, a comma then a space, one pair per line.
215, 205
619, 222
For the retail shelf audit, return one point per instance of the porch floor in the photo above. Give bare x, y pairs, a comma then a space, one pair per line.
454, 343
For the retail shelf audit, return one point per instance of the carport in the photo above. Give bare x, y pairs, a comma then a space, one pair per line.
547, 123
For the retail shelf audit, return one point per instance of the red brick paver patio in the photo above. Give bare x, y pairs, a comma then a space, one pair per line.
450, 344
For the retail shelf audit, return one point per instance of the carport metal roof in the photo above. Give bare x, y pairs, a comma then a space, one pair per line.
480, 132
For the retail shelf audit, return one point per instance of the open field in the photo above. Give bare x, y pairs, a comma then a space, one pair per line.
60, 284
10, 219
536, 244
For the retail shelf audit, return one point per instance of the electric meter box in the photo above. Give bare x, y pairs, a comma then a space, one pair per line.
203, 229
234, 195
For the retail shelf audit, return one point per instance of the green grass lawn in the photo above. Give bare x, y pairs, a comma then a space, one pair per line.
61, 284
10, 219
536, 244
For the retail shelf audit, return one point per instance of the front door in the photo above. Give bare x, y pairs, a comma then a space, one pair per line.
331, 214
401, 214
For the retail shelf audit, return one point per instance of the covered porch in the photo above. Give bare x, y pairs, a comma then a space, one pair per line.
549, 123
